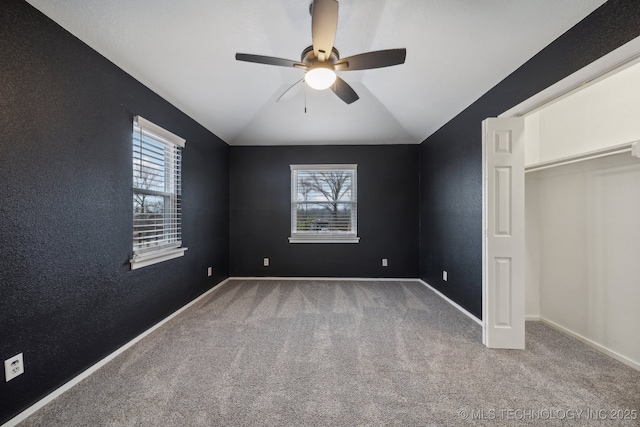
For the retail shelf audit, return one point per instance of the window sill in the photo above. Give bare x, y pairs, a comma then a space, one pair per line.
151, 258
324, 239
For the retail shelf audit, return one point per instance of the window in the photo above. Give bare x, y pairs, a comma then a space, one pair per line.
324, 204
157, 163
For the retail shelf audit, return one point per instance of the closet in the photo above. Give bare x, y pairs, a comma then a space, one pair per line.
582, 214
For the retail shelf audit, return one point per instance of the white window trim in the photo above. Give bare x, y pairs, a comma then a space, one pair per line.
152, 127
155, 257
152, 256
305, 237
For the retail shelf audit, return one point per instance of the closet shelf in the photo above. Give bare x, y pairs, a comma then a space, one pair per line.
629, 147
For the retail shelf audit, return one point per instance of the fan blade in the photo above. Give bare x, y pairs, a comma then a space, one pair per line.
288, 94
324, 21
269, 60
344, 91
375, 59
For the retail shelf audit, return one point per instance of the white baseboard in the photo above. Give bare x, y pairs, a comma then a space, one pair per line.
450, 301
531, 318
74, 381
593, 344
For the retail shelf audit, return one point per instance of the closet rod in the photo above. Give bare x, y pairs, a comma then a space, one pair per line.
630, 147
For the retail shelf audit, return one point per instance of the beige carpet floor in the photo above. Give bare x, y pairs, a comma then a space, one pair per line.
328, 353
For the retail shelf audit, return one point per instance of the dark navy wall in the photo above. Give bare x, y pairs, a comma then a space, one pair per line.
67, 295
451, 159
387, 213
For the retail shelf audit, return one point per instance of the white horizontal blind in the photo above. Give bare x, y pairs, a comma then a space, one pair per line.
157, 163
323, 200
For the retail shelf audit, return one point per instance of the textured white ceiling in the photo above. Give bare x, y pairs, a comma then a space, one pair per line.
184, 50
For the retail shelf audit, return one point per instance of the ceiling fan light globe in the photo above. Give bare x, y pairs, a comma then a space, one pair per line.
320, 78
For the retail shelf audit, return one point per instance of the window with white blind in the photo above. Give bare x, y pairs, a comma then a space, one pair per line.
324, 204
157, 167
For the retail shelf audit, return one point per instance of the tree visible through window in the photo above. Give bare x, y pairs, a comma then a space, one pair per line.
157, 164
323, 203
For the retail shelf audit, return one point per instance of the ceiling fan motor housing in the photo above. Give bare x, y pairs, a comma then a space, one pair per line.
308, 58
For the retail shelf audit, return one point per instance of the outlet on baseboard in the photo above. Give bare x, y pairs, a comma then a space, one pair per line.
13, 367
265, 262
209, 271
384, 262
445, 276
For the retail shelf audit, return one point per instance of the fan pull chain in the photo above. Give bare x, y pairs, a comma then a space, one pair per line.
305, 96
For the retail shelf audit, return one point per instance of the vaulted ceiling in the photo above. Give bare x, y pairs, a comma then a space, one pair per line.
184, 50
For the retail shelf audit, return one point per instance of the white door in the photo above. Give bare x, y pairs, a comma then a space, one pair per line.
503, 232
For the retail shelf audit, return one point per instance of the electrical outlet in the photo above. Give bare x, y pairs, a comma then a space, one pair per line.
13, 367
445, 276
265, 262
384, 262
209, 271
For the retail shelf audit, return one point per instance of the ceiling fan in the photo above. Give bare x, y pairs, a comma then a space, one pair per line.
321, 60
